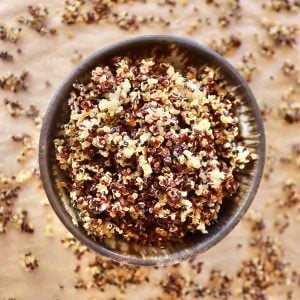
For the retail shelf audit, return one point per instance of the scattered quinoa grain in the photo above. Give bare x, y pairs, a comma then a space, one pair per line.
76, 57
290, 111
28, 147
282, 5
224, 45
173, 285
49, 231
15, 109
5, 56
69, 242
14, 83
281, 34
266, 47
247, 66
37, 19
20, 219
263, 271
289, 68
29, 262
10, 34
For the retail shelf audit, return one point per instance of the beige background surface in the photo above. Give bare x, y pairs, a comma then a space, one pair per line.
49, 58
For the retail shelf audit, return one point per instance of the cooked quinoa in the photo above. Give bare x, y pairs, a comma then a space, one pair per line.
151, 152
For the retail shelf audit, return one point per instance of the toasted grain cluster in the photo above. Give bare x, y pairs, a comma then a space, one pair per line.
283, 5
99, 11
37, 19
29, 262
9, 191
247, 66
264, 270
225, 45
150, 152
281, 34
15, 109
14, 83
6, 56
290, 111
10, 34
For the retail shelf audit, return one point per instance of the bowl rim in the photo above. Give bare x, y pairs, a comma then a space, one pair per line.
55, 200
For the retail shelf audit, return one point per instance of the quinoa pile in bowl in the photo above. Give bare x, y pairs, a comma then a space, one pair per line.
158, 151
150, 152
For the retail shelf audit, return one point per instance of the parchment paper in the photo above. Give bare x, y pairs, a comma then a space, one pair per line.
49, 58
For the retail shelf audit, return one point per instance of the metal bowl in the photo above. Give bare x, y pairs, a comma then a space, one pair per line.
179, 52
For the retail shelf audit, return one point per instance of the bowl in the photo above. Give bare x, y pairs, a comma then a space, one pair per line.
180, 52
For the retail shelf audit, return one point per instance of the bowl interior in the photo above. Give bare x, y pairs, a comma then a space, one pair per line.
180, 52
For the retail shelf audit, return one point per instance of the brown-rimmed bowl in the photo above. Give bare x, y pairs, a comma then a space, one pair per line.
180, 52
